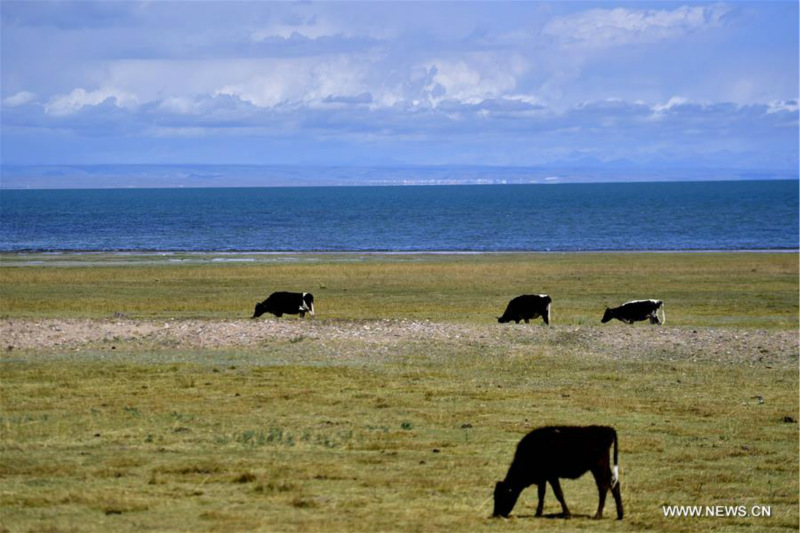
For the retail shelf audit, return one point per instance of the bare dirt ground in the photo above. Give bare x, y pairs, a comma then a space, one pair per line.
759, 347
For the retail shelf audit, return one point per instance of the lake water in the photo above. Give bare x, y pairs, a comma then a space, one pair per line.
751, 215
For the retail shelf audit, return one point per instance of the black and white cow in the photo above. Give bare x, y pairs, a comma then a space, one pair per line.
637, 310
526, 307
286, 303
546, 454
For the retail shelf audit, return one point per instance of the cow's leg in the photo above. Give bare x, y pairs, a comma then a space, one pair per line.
617, 493
278, 315
560, 496
527, 320
602, 477
542, 489
654, 318
302, 314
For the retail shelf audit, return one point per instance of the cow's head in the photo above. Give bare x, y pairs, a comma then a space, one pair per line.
261, 308
608, 315
505, 497
503, 319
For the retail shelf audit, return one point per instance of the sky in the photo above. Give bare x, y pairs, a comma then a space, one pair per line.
648, 84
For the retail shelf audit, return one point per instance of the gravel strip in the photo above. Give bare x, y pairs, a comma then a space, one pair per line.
615, 341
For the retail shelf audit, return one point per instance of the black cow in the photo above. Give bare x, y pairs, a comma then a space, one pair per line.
286, 303
637, 310
526, 307
546, 454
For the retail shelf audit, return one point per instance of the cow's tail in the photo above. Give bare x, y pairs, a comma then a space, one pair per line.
663, 313
615, 470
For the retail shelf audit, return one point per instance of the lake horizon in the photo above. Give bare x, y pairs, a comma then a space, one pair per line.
178, 176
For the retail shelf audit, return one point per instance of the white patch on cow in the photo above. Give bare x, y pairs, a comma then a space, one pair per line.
548, 312
305, 307
615, 476
663, 313
640, 301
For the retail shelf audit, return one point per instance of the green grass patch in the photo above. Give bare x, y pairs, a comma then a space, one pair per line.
718, 289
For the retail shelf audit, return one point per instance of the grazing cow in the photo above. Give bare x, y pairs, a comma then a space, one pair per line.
526, 307
286, 303
637, 310
546, 454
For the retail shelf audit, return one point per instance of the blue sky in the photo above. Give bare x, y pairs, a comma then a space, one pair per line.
652, 84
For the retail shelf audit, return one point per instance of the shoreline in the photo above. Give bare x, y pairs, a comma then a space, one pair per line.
12, 253
197, 258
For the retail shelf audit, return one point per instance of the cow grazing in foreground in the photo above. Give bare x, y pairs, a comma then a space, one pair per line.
546, 454
637, 310
526, 307
286, 303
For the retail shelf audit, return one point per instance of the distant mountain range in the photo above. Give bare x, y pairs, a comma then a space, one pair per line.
174, 176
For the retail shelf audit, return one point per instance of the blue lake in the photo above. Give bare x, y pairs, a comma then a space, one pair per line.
746, 215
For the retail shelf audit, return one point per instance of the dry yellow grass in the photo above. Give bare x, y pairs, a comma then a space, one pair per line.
346, 423
699, 289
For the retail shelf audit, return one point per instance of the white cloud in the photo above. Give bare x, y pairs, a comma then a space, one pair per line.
620, 26
67, 104
786, 105
472, 80
298, 82
21, 98
158, 79
660, 109
263, 82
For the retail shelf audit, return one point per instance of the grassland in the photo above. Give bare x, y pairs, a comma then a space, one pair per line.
703, 289
399, 405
